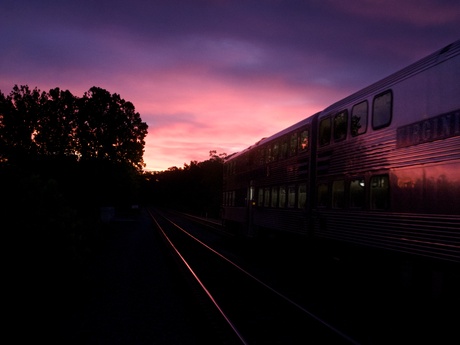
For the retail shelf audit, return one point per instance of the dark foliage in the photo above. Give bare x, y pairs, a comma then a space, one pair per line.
61, 159
64, 158
98, 126
196, 188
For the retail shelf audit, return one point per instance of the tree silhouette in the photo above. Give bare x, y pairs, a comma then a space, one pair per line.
18, 118
61, 158
99, 125
108, 128
56, 126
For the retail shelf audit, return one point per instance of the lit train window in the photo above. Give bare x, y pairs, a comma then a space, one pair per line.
282, 197
358, 123
293, 144
357, 193
325, 132
340, 125
338, 194
382, 110
291, 196
302, 200
274, 196
323, 194
304, 139
380, 192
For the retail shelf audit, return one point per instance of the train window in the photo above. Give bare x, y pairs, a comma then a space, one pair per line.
268, 154
302, 200
284, 148
282, 197
338, 194
266, 197
358, 123
323, 194
293, 144
250, 159
357, 193
274, 197
325, 132
382, 110
340, 125
304, 139
261, 156
260, 198
228, 198
291, 196
380, 192
276, 151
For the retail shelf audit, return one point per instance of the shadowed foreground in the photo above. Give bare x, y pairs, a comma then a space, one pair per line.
132, 294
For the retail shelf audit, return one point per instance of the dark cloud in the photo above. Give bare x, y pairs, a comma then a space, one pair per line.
175, 53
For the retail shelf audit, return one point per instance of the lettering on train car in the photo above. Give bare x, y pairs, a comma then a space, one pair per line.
439, 127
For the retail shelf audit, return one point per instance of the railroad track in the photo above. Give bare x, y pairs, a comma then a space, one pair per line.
254, 311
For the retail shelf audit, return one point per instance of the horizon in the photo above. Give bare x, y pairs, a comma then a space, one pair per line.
217, 75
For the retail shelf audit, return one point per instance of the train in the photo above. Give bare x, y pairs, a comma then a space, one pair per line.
378, 169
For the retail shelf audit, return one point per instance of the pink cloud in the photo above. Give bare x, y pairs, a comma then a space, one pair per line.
190, 115
210, 76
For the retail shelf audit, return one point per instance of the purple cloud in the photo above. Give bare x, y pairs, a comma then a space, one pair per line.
202, 69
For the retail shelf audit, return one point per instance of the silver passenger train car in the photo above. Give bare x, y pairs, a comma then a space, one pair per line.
379, 168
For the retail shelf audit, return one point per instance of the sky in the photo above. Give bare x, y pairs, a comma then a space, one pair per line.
217, 74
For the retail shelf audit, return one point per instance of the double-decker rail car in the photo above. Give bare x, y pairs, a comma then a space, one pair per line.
388, 162
266, 186
381, 167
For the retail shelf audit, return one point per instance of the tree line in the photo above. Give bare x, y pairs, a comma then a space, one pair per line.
62, 157
37, 125
195, 188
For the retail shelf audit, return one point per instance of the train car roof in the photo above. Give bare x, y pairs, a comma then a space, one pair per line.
431, 60
277, 135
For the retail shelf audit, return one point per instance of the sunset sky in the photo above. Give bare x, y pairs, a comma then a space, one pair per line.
217, 74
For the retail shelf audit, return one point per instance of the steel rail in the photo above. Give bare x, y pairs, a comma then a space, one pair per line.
317, 318
229, 322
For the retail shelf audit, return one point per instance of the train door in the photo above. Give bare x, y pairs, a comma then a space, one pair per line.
250, 204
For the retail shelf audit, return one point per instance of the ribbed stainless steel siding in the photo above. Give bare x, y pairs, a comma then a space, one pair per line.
430, 236
379, 152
